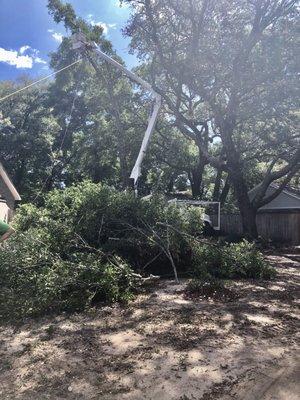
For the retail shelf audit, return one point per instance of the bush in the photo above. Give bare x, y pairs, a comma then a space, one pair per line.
34, 280
233, 261
101, 217
243, 260
82, 246
84, 243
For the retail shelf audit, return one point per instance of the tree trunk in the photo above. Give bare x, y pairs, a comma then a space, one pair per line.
248, 215
197, 178
217, 186
19, 176
248, 212
225, 192
235, 170
170, 185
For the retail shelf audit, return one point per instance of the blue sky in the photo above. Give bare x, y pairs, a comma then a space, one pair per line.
28, 34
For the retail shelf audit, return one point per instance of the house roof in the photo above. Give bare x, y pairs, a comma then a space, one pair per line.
291, 193
285, 199
294, 191
9, 184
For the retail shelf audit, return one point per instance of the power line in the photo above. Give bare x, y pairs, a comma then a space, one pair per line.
40, 80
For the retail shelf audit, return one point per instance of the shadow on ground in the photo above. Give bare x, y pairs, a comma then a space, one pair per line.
162, 346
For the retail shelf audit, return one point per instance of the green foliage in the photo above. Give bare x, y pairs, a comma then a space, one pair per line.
237, 260
67, 253
227, 72
43, 148
65, 13
214, 264
44, 145
27, 130
245, 261
84, 243
35, 280
102, 217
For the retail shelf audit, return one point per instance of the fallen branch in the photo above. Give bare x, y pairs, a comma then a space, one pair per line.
146, 281
203, 241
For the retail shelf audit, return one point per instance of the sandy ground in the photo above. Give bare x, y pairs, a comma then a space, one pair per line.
163, 346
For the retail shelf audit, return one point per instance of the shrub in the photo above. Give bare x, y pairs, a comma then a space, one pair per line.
207, 261
34, 280
118, 222
243, 260
80, 246
236, 260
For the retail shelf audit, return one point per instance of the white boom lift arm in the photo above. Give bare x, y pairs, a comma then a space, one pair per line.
80, 43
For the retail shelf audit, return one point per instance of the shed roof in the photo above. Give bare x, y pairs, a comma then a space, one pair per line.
286, 199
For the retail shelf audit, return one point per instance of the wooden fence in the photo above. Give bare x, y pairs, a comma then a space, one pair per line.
278, 225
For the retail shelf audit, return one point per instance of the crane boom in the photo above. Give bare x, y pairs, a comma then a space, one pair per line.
80, 42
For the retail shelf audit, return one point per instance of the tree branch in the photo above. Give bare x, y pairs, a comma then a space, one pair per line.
280, 188
290, 170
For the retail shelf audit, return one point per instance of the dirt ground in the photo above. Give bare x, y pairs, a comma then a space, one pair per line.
164, 346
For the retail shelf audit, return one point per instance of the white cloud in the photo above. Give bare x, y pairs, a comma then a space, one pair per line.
106, 27
23, 49
58, 37
12, 57
39, 60
17, 58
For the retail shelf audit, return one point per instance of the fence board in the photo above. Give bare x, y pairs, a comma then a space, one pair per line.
281, 226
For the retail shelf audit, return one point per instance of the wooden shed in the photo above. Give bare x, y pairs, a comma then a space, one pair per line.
278, 220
